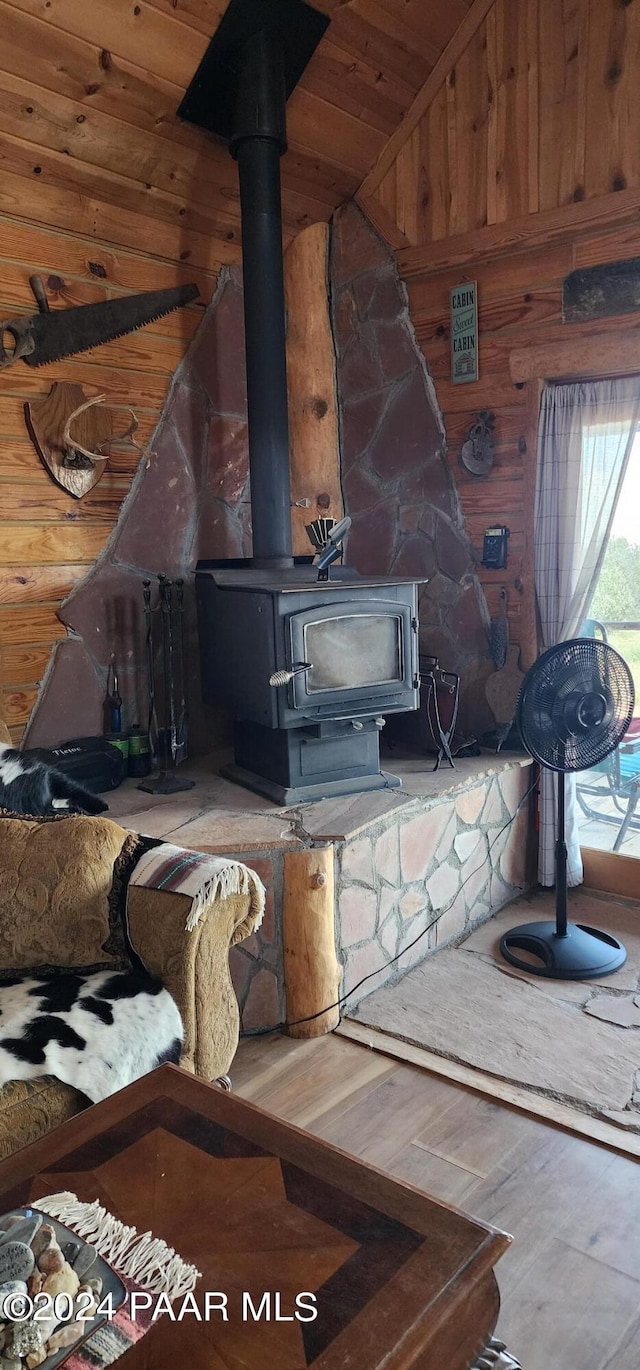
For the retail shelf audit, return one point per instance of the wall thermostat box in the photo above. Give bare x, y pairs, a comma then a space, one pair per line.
494, 551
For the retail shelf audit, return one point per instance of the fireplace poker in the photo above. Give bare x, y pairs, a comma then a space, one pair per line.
181, 729
166, 782
114, 698
168, 731
152, 722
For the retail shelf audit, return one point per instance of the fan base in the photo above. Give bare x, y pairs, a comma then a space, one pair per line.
581, 955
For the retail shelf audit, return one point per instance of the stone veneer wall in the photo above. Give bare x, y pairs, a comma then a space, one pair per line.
398, 487
256, 965
436, 871
430, 870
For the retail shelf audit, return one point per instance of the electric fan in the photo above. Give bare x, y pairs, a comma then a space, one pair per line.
575, 705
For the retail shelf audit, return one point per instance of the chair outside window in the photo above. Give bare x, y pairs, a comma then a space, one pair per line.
617, 777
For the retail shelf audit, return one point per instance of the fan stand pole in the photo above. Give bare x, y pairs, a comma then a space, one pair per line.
561, 864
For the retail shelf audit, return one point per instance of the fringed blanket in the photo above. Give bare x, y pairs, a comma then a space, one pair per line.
117, 1283
202, 878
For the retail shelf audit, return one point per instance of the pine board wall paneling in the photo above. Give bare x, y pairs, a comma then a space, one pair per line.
540, 111
525, 166
48, 540
103, 188
519, 315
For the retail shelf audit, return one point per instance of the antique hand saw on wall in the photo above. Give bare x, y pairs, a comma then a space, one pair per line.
52, 334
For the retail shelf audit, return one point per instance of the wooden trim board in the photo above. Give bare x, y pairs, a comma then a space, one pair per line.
530, 230
536, 1105
383, 221
602, 354
611, 873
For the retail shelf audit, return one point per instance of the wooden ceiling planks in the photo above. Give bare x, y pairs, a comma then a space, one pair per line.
536, 110
88, 99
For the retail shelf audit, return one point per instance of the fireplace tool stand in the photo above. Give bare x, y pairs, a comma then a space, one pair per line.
441, 706
168, 743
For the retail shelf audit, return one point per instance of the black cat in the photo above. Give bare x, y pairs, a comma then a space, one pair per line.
30, 787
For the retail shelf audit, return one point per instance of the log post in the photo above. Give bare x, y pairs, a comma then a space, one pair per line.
314, 445
312, 974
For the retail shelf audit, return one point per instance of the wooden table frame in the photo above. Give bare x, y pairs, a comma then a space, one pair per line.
433, 1307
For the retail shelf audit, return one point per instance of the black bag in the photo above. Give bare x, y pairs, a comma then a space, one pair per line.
90, 761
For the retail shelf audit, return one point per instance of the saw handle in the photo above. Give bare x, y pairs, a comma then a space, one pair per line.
23, 340
40, 294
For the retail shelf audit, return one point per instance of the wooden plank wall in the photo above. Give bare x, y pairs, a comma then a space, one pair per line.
526, 165
48, 540
104, 188
541, 110
84, 203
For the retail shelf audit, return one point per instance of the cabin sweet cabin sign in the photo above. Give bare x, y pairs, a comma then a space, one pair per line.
464, 333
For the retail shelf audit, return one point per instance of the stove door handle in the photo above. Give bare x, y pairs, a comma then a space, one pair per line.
284, 677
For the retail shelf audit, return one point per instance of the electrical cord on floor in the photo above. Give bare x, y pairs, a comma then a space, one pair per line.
281, 1027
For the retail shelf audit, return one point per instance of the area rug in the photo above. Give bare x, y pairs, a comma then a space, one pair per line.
568, 1050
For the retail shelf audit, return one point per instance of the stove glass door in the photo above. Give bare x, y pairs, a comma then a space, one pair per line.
353, 651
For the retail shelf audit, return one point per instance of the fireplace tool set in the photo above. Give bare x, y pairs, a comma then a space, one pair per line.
168, 740
442, 689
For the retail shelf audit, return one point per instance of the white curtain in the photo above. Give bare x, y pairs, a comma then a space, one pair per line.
585, 436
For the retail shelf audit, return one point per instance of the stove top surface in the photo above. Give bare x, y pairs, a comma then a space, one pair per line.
291, 580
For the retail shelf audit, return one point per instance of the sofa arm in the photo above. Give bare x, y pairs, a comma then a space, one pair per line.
194, 966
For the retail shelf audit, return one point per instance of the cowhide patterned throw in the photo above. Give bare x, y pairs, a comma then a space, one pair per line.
96, 1032
31, 787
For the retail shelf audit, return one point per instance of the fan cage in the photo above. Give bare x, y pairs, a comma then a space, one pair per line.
576, 704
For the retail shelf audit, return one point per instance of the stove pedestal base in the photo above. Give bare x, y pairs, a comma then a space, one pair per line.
318, 761
305, 794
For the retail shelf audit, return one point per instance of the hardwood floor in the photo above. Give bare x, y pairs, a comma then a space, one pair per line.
570, 1283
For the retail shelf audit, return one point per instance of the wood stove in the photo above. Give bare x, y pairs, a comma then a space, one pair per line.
308, 668
346, 652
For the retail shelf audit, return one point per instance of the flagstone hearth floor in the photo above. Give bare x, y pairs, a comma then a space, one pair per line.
576, 1042
227, 818
414, 867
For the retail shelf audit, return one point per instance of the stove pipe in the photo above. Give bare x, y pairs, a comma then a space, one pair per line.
239, 92
258, 141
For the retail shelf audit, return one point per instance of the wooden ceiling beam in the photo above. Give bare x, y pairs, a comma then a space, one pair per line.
530, 231
474, 17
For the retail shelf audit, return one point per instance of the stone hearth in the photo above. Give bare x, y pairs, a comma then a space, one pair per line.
426, 862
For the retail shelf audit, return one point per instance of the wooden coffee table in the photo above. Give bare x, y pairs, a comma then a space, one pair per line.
261, 1207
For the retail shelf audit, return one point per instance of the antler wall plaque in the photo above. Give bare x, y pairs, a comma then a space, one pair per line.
47, 421
72, 435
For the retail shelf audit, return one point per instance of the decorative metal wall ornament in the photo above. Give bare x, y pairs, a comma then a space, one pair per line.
464, 333
477, 451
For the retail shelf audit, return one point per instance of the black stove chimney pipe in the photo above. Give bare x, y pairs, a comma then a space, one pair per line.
258, 141
239, 92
